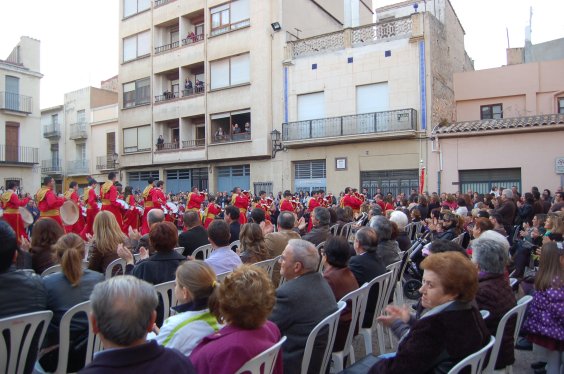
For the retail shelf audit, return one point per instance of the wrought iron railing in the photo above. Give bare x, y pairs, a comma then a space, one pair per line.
78, 131
105, 163
78, 166
194, 143
191, 39
52, 130
166, 96
193, 91
13, 154
166, 47
357, 124
233, 26
15, 102
52, 166
159, 3
167, 146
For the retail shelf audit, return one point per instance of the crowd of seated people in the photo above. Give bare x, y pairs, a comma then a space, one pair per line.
500, 237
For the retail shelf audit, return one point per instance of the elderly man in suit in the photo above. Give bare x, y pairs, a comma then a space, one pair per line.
277, 241
303, 301
366, 266
320, 232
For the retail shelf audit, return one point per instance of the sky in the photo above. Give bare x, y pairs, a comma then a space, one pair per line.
79, 38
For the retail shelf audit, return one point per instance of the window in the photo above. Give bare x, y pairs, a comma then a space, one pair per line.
494, 111
230, 71
81, 116
137, 139
310, 175
372, 98
136, 93
394, 181
54, 119
131, 7
561, 105
231, 16
482, 180
234, 176
81, 151
231, 126
136, 46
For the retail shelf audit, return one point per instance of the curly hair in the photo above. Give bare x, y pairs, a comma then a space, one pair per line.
457, 273
246, 297
252, 242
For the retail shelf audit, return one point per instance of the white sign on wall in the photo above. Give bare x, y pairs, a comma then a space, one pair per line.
559, 165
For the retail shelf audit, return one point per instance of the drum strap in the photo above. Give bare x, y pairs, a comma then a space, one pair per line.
50, 213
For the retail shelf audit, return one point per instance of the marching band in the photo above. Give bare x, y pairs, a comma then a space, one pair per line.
76, 213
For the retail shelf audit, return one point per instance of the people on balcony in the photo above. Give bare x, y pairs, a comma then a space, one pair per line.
188, 87
199, 85
219, 135
236, 129
247, 127
160, 143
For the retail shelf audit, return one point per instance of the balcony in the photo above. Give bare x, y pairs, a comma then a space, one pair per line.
78, 167
185, 151
195, 143
227, 138
167, 47
198, 90
165, 147
78, 131
16, 103
355, 128
159, 3
106, 163
167, 95
52, 166
12, 154
192, 38
52, 131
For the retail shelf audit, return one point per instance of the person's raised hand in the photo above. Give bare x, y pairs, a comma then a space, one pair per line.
25, 245
143, 253
266, 227
133, 234
125, 254
302, 223
89, 238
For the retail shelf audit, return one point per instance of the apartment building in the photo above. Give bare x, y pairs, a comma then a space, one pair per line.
74, 135
20, 116
202, 86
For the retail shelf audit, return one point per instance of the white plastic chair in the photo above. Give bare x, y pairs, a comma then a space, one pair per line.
236, 244
205, 250
220, 277
268, 265
166, 291
395, 268
357, 300
485, 314
475, 360
22, 328
330, 322
179, 250
517, 312
383, 281
94, 342
53, 269
346, 230
333, 229
110, 269
513, 282
459, 239
264, 360
319, 248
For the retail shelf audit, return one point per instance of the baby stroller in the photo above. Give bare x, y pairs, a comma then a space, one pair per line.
411, 273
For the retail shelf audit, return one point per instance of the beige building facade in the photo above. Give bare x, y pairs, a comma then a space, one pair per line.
509, 130
20, 116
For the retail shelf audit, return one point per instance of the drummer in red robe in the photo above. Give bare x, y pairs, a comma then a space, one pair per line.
158, 197
72, 194
211, 211
195, 199
286, 204
265, 204
48, 202
131, 218
240, 200
109, 195
10, 202
90, 201
312, 203
147, 205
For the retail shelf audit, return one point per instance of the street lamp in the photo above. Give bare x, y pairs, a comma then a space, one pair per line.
115, 160
276, 142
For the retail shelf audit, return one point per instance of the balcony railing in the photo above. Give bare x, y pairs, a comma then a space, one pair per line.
166, 47
159, 3
194, 143
226, 138
191, 39
233, 26
78, 167
358, 124
78, 131
197, 90
52, 130
12, 154
52, 166
105, 163
167, 147
166, 96
15, 102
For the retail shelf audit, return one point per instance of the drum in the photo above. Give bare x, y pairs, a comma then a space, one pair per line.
172, 207
69, 213
99, 206
83, 208
26, 215
123, 204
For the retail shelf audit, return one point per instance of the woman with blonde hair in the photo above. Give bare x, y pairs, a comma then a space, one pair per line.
252, 244
194, 316
107, 237
65, 289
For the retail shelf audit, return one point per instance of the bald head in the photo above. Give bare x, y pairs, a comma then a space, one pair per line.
155, 216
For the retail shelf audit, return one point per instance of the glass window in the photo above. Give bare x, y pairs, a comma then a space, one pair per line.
219, 73
131, 7
494, 111
230, 71
561, 105
229, 16
137, 139
136, 46
136, 93
81, 116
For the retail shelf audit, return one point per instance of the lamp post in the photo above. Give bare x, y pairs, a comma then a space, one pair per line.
276, 142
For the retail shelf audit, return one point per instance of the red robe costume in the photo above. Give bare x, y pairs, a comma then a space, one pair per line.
211, 212
79, 224
158, 198
286, 206
147, 206
194, 201
90, 200
131, 217
109, 195
48, 204
241, 202
10, 202
311, 205
266, 206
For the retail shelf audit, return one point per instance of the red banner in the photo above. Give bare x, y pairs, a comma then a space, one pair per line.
422, 180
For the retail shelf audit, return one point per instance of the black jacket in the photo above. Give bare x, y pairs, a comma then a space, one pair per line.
234, 230
317, 235
192, 239
159, 268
